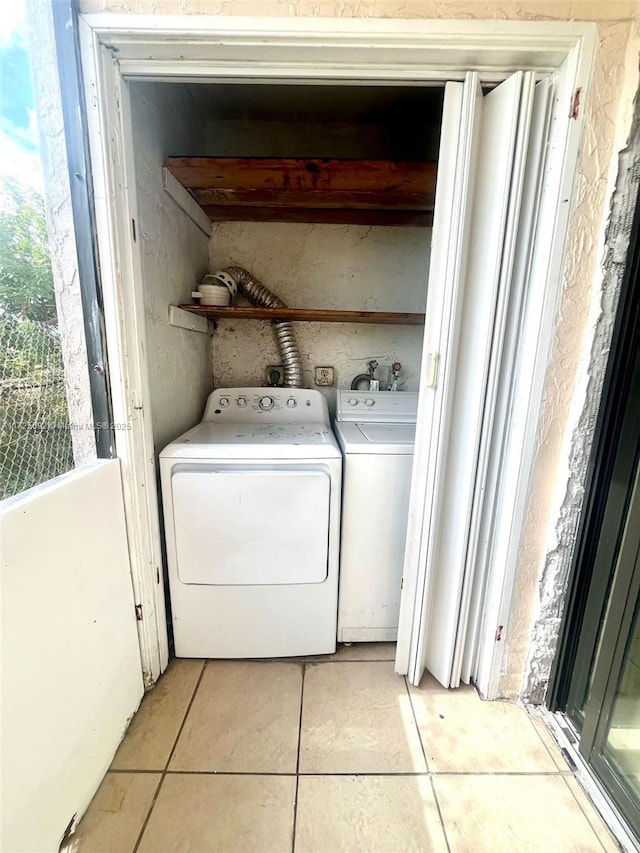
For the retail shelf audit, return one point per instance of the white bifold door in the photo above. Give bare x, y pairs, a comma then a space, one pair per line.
492, 150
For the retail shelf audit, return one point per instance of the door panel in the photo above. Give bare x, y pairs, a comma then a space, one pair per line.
621, 744
493, 131
493, 474
456, 171
495, 186
610, 540
225, 520
610, 738
374, 532
595, 682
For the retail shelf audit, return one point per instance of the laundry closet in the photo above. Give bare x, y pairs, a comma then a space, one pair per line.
345, 225
363, 253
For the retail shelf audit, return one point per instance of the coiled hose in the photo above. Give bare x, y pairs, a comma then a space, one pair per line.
258, 294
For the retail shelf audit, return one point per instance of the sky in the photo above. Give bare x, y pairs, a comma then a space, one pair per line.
18, 132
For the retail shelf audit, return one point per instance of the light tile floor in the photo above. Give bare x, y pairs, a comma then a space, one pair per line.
333, 754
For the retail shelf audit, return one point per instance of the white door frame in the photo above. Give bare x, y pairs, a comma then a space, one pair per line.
296, 50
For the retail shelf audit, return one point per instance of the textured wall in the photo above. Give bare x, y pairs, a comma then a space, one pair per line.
325, 266
174, 257
566, 383
549, 603
573, 382
559, 10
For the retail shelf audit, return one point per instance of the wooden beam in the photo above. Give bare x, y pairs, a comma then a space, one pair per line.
308, 315
274, 185
303, 174
337, 199
326, 215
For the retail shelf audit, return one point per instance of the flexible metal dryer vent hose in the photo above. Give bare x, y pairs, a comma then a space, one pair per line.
258, 294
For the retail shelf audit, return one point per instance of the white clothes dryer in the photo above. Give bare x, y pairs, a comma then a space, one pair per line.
376, 431
251, 499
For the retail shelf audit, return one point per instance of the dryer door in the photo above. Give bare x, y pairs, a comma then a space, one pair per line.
239, 525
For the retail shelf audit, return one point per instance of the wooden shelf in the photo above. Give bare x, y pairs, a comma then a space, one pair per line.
305, 315
370, 192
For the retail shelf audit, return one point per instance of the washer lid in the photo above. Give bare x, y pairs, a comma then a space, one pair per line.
375, 438
210, 440
389, 433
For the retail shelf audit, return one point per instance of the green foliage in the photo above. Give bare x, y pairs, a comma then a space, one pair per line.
35, 441
26, 281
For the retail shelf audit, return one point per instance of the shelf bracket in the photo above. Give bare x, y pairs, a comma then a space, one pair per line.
185, 320
186, 202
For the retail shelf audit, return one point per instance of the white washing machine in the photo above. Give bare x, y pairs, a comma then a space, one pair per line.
376, 432
251, 502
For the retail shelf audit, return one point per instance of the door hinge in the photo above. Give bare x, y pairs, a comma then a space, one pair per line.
499, 633
575, 104
139, 612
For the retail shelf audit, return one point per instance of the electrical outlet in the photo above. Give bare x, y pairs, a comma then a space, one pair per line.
270, 374
324, 376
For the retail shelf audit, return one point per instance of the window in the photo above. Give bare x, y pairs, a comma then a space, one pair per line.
35, 438
47, 393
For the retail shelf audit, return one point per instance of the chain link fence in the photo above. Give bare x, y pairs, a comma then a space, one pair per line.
35, 439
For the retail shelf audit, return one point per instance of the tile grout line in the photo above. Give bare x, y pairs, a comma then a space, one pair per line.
302, 662
579, 804
413, 714
566, 775
426, 764
139, 772
186, 714
498, 773
164, 772
571, 773
434, 773
544, 743
295, 799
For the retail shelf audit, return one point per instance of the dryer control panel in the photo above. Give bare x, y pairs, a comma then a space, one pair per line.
266, 405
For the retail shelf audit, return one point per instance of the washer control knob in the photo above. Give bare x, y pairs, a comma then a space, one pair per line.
224, 402
369, 402
291, 403
353, 402
266, 403
242, 402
